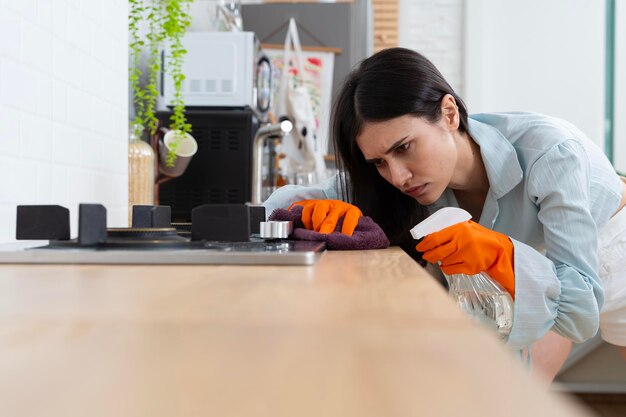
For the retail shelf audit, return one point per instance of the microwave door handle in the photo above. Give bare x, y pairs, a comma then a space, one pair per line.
264, 60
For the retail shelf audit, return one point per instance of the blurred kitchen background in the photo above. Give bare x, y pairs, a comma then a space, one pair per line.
65, 106
64, 101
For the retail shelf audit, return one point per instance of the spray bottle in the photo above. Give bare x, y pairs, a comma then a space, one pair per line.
478, 295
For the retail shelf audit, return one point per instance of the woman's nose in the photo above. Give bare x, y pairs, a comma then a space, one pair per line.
400, 175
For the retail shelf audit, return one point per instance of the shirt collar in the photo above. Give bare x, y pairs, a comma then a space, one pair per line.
499, 156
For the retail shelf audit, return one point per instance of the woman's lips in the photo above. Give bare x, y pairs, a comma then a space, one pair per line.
416, 191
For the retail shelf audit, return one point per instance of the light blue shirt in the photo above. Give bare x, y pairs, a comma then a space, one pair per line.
551, 190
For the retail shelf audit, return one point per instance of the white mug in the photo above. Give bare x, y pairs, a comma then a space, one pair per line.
187, 147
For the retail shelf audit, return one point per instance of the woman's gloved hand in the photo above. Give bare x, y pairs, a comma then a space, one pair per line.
323, 215
469, 248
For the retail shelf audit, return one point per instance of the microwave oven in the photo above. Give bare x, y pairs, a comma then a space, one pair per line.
222, 69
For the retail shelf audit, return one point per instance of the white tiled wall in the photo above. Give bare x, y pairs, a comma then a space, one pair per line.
63, 106
434, 28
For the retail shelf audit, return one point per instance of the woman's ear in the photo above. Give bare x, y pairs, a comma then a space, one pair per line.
450, 112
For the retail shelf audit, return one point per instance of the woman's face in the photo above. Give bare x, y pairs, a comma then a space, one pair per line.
416, 156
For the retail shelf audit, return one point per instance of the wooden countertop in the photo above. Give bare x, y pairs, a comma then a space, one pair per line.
362, 333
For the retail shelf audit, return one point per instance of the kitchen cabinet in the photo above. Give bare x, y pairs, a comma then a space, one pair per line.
361, 333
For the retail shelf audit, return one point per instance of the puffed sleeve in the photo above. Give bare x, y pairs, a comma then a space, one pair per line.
560, 290
284, 196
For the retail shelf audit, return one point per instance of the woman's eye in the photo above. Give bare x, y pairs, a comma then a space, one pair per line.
378, 163
403, 148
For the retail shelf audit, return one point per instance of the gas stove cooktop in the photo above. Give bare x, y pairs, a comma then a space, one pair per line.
234, 234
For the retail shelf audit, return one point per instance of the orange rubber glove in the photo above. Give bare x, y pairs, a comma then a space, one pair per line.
323, 215
469, 248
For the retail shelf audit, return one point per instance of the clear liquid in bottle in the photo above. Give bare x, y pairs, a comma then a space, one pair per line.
484, 300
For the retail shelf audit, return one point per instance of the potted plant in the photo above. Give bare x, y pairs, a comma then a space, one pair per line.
152, 25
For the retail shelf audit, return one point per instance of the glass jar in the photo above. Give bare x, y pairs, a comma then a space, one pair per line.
141, 165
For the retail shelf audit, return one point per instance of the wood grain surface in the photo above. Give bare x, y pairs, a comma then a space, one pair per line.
362, 333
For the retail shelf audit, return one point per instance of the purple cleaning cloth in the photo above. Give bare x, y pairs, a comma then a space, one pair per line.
367, 235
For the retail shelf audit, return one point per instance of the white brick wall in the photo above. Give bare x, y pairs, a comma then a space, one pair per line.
434, 28
63, 106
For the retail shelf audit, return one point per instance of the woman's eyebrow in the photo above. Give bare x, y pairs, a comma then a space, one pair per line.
391, 148
395, 145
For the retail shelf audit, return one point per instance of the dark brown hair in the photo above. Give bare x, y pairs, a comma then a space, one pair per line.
389, 84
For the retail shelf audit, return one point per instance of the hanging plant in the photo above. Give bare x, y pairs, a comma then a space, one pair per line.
167, 22
176, 23
135, 18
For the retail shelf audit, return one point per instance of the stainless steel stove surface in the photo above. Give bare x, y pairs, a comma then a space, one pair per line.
211, 253
218, 234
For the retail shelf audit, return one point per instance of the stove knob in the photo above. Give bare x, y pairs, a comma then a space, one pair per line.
275, 229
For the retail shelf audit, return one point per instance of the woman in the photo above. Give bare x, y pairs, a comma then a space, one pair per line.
542, 198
